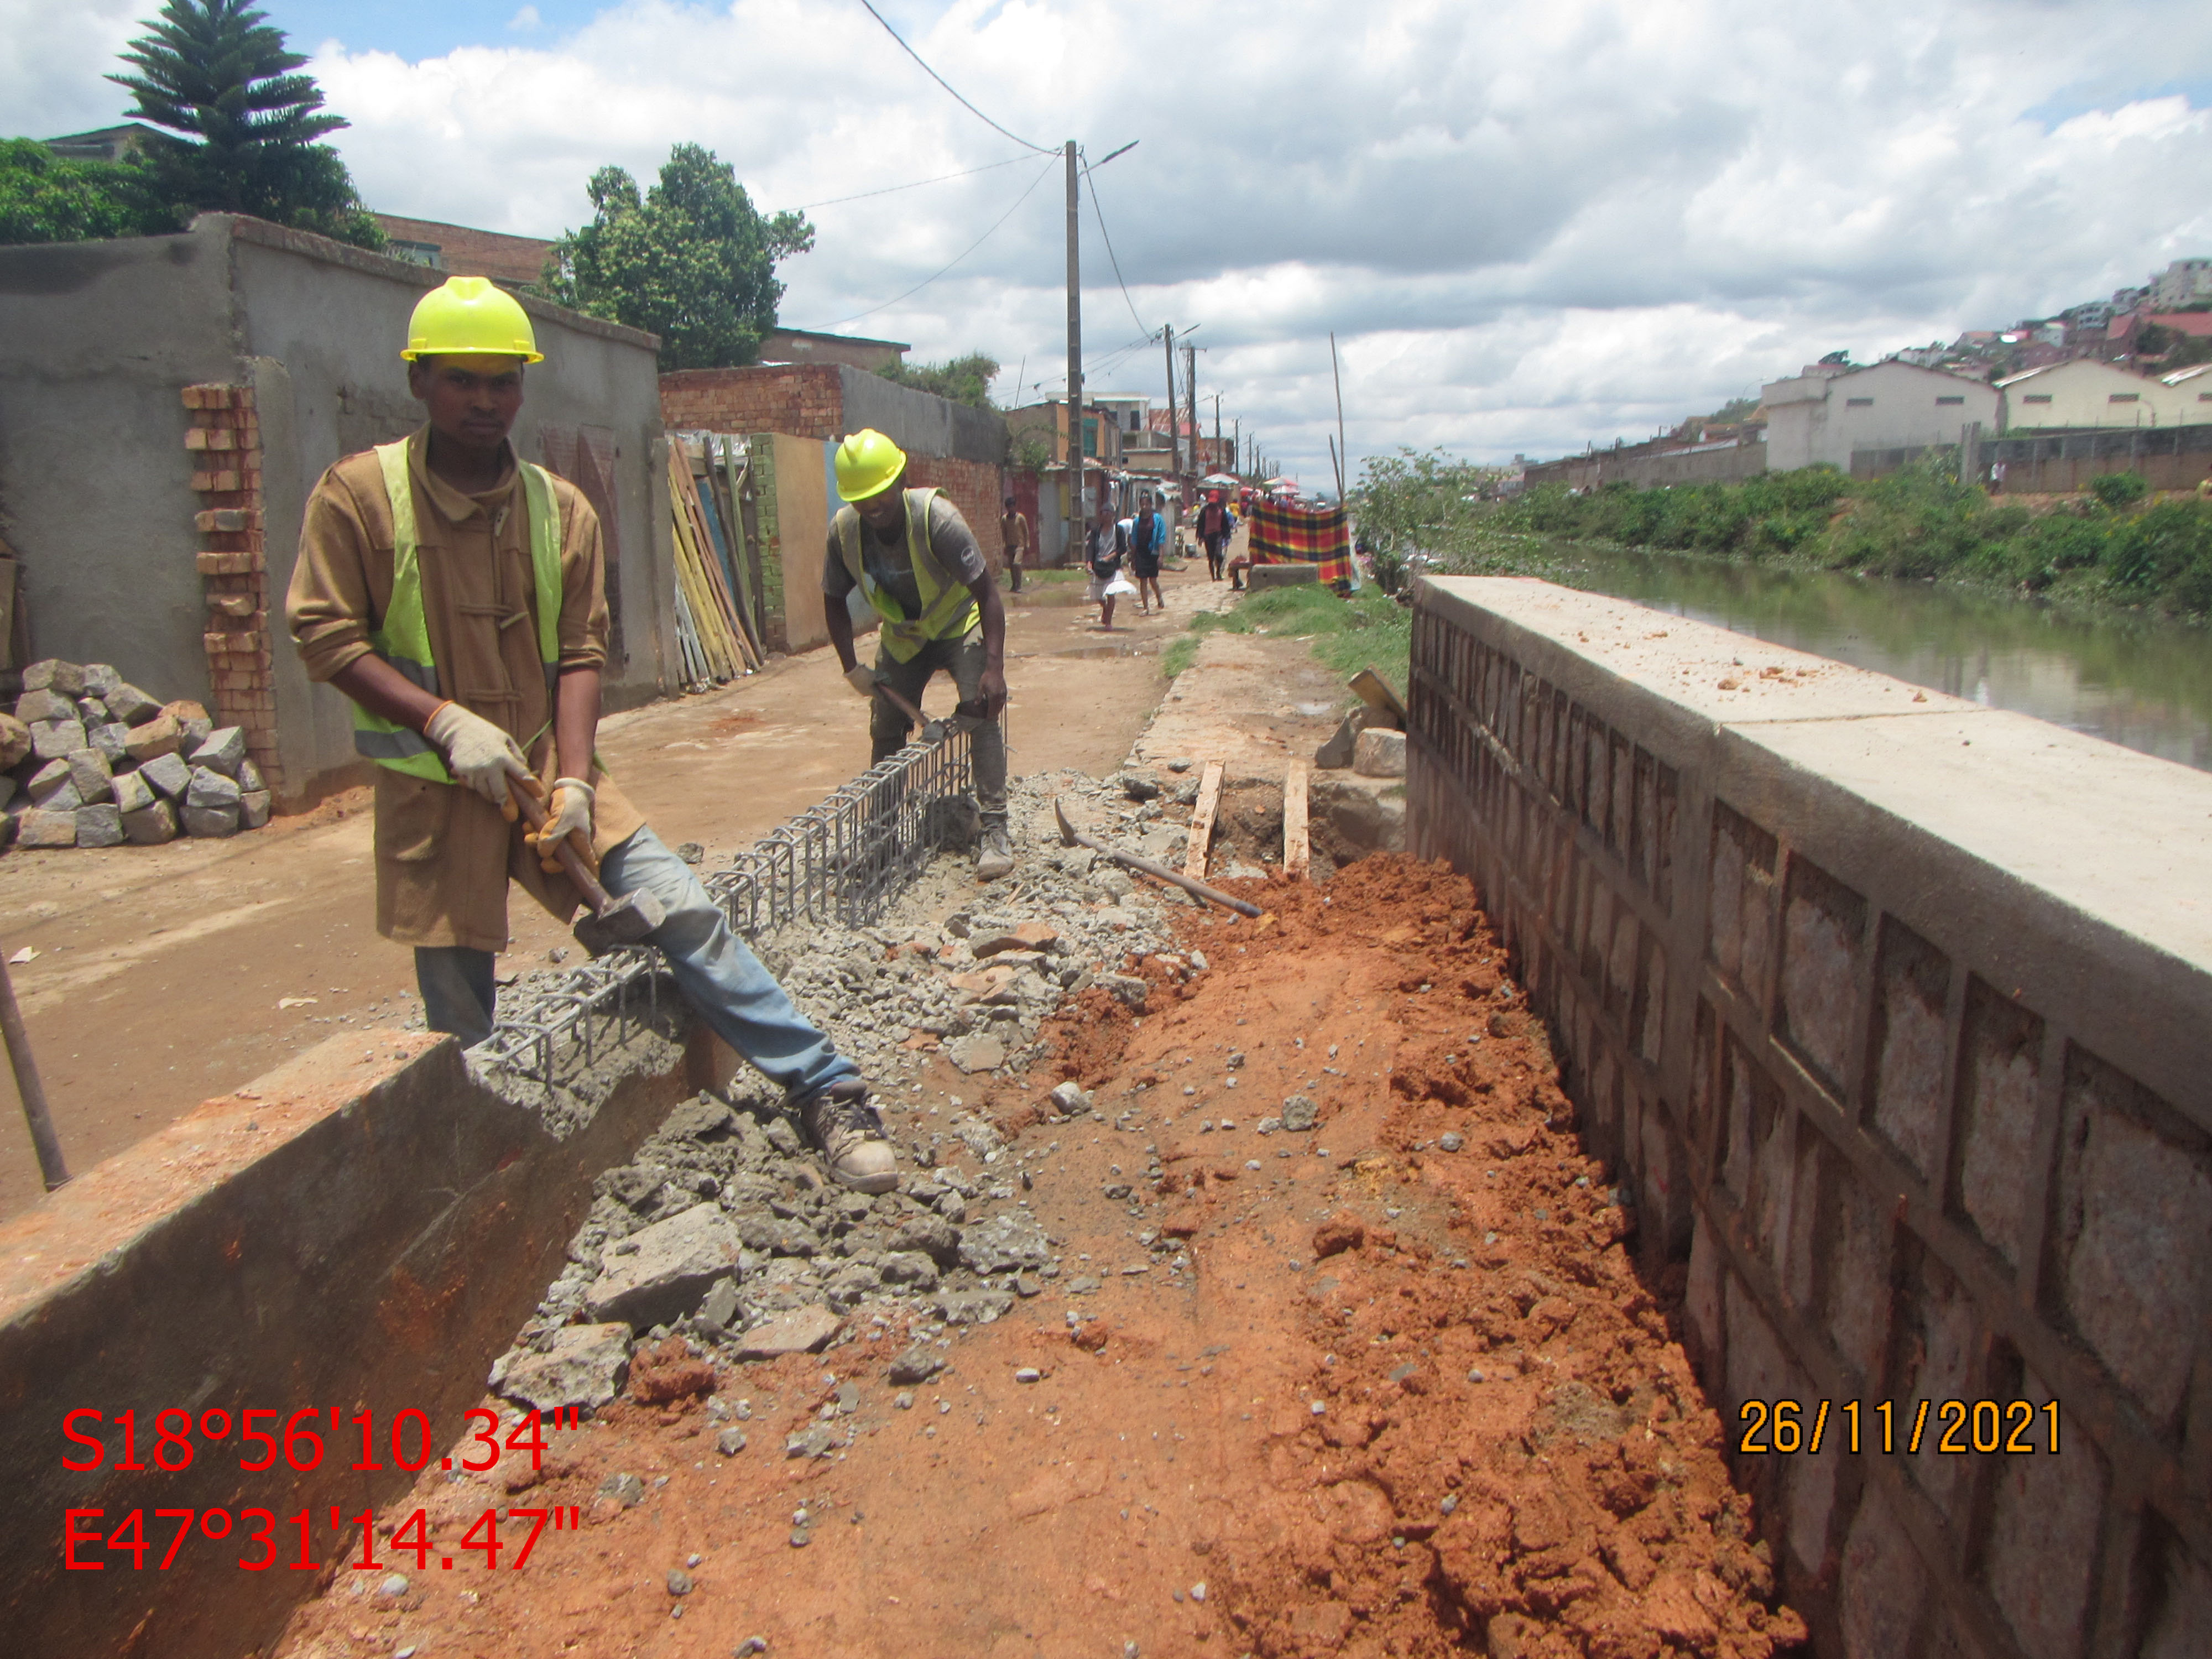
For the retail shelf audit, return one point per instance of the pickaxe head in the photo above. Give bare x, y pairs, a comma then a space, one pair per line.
1067, 837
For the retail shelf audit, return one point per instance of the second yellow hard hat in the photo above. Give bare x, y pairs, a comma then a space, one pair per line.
868, 464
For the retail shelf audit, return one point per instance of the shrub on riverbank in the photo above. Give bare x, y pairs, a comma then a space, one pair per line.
1919, 522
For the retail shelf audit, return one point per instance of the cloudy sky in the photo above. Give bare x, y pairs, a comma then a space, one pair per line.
1531, 224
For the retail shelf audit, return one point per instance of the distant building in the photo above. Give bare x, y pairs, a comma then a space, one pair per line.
463, 251
2190, 390
800, 345
1825, 415
103, 143
2183, 283
2083, 393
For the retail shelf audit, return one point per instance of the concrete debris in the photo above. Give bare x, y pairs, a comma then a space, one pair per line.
917, 1364
803, 1330
1299, 1113
977, 1054
582, 1365
663, 1271
1379, 753
1069, 1098
624, 1488
84, 744
1005, 1243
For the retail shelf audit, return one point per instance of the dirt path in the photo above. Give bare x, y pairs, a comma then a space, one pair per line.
1386, 1386
164, 974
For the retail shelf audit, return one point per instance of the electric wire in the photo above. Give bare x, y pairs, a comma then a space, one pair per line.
1099, 214
964, 253
1040, 148
862, 195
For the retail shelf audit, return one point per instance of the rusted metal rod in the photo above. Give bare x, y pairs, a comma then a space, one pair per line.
52, 1170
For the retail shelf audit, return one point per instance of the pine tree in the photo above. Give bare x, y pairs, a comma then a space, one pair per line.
217, 72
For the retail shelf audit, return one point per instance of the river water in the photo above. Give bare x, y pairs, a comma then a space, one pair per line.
2145, 685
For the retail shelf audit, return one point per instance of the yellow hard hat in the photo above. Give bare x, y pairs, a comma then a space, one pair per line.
868, 464
471, 317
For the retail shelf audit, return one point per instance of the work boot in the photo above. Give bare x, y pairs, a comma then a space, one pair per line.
995, 856
845, 1126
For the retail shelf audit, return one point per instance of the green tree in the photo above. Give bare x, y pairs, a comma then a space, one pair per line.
216, 72
964, 380
691, 261
46, 198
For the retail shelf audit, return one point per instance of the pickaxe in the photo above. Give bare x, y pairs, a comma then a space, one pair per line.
932, 731
1071, 836
609, 923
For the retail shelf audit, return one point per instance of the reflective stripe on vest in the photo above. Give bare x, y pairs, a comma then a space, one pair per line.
403, 638
948, 609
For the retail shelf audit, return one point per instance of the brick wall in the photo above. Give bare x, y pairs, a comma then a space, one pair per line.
1905, 1082
807, 400
224, 437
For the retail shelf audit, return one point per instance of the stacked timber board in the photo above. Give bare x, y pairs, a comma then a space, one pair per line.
92, 761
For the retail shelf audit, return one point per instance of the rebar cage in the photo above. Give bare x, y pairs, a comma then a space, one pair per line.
842, 862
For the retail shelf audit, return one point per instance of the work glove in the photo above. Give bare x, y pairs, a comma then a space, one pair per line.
569, 812
478, 753
862, 678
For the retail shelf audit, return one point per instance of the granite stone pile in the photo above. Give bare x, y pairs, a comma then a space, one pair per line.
90, 760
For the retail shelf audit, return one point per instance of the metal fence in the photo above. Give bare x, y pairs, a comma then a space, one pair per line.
841, 861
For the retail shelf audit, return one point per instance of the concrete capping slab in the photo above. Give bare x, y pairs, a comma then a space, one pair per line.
360, 1229
1894, 1014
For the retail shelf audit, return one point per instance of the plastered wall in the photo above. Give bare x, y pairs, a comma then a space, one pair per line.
1895, 1015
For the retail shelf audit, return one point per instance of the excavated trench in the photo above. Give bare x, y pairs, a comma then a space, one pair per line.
1246, 1292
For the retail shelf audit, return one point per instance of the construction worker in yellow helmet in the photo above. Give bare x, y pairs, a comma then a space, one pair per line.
456, 594
912, 556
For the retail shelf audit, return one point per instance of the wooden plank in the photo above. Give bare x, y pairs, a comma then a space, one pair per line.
1201, 820
1375, 691
1297, 847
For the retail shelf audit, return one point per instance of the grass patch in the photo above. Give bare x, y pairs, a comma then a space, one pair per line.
1369, 630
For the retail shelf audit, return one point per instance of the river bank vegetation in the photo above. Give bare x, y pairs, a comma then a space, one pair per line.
2116, 545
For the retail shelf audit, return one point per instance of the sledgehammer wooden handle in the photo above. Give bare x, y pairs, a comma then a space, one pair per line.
534, 811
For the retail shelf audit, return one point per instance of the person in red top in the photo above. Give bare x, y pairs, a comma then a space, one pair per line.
1213, 528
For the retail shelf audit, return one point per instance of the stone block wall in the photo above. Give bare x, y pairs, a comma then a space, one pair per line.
1894, 1015
223, 435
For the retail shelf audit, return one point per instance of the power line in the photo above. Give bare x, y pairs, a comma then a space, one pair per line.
947, 85
1099, 214
808, 207
964, 252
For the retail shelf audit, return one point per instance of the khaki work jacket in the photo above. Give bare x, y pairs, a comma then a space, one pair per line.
443, 853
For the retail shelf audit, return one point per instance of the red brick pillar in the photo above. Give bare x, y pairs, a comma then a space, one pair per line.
225, 438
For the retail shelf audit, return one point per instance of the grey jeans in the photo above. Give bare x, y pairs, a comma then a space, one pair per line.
962, 659
713, 968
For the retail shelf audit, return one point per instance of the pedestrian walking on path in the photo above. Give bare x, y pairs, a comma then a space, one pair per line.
1147, 540
1215, 524
457, 596
1014, 539
1105, 546
917, 563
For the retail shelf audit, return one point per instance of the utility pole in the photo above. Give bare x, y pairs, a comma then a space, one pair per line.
1175, 451
1074, 550
1217, 426
1190, 391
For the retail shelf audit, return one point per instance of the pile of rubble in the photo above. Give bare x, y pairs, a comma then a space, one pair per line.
724, 1232
90, 760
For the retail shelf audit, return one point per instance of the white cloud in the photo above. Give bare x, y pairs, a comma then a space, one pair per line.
1531, 225
526, 19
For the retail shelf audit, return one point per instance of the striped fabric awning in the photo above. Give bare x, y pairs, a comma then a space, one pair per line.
1303, 535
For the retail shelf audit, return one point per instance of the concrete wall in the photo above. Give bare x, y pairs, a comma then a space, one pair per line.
2167, 458
2083, 393
97, 341
1813, 417
1649, 468
363, 1229
1895, 1014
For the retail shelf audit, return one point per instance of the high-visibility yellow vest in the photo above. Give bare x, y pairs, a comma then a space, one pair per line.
403, 638
948, 609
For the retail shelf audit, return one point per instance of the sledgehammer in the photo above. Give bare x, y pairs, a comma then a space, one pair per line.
610, 923
1071, 836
